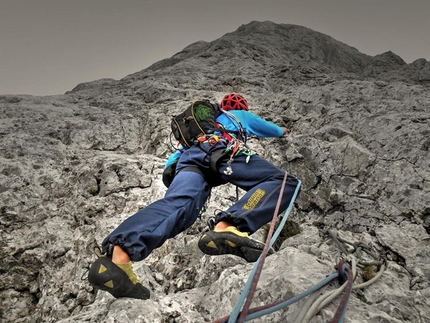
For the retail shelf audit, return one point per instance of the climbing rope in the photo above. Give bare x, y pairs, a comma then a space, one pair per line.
346, 274
263, 310
357, 248
251, 282
262, 258
351, 273
341, 309
320, 303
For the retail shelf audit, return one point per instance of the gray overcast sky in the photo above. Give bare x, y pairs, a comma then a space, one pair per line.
49, 46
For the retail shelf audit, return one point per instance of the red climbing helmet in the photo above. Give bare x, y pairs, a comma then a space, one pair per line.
234, 101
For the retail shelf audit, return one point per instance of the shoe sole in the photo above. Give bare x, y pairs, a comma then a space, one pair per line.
222, 243
107, 276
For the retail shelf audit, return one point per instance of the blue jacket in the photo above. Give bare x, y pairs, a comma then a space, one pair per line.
253, 124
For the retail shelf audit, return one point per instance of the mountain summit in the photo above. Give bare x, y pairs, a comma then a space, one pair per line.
283, 51
73, 166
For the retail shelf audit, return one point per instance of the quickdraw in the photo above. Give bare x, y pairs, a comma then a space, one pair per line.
237, 147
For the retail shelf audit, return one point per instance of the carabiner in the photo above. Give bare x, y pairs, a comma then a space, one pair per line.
213, 140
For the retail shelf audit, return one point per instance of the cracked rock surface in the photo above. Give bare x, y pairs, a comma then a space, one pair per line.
73, 166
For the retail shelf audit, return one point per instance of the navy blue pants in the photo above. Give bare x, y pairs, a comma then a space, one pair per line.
179, 209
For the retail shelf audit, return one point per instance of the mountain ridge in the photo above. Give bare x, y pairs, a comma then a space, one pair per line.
294, 45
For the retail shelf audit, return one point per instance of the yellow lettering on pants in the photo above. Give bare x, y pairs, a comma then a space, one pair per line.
254, 199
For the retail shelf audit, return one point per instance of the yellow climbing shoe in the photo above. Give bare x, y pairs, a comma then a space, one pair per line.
119, 280
231, 241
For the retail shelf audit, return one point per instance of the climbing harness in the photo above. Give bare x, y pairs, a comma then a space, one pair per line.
346, 273
236, 142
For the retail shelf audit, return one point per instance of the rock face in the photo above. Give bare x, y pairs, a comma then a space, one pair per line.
73, 166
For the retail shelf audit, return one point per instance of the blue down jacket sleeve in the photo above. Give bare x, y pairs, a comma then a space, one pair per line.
253, 124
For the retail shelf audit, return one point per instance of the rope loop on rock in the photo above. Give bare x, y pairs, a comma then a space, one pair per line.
350, 271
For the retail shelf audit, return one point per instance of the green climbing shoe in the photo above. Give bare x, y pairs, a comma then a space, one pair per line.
118, 280
231, 241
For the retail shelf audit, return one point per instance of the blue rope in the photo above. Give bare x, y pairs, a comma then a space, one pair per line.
263, 310
236, 310
297, 298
